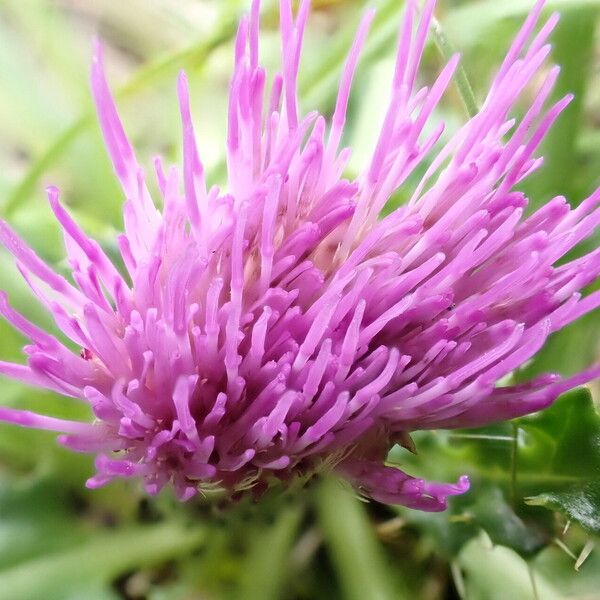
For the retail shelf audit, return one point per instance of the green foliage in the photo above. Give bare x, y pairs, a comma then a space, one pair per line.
567, 448
97, 561
554, 455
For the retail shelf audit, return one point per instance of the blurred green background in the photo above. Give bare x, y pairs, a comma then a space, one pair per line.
528, 528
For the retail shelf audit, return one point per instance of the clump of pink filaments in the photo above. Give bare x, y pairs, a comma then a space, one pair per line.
283, 325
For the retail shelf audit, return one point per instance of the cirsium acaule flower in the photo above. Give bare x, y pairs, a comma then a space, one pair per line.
282, 324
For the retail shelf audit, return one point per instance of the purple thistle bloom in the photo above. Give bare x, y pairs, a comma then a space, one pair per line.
283, 326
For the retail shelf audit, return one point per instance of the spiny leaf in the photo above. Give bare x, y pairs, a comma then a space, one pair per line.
582, 504
568, 443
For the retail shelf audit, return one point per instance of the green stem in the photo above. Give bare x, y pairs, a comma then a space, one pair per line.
268, 564
513, 464
353, 548
461, 81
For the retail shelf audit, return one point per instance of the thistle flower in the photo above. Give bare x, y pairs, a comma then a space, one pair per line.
283, 326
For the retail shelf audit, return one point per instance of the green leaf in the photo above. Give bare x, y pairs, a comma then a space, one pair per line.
483, 508
566, 444
581, 503
564, 438
497, 573
35, 518
496, 517
556, 460
100, 559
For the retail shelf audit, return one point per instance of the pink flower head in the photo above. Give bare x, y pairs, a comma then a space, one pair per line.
282, 326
